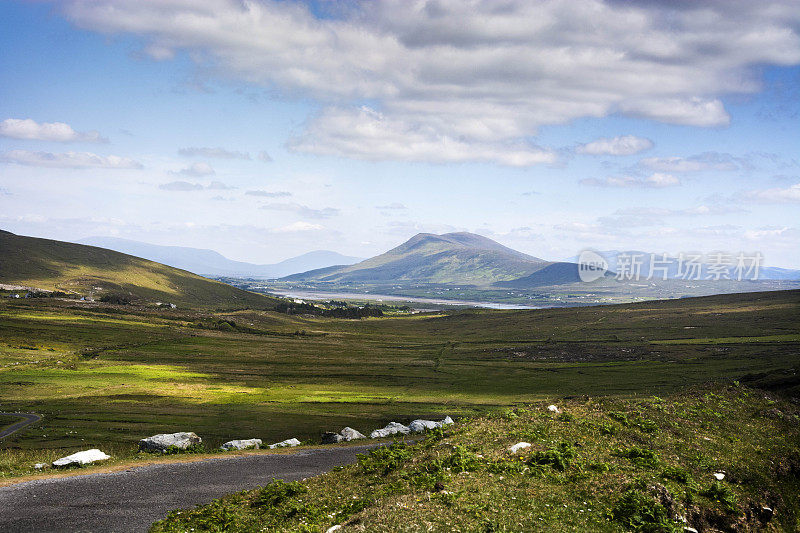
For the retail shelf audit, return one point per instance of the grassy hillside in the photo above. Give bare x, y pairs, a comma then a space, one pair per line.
602, 464
453, 258
108, 376
76, 268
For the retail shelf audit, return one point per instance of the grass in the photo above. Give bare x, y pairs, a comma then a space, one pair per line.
88, 270
575, 477
105, 376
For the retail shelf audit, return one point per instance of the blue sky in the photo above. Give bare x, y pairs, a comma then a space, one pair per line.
264, 129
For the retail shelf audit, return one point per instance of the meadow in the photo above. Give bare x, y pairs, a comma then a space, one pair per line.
107, 375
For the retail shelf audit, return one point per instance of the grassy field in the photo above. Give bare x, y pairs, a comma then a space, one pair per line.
602, 464
106, 376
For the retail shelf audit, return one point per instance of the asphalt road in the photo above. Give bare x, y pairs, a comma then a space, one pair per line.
133, 499
30, 418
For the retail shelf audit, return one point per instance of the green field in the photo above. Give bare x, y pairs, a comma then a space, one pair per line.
110, 375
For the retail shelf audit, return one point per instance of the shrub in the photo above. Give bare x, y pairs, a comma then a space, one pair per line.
277, 493
721, 494
640, 512
385, 459
639, 456
558, 457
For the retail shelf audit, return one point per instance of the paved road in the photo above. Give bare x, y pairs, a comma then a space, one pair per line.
133, 499
30, 418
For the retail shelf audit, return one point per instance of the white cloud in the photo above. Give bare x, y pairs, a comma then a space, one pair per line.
302, 210
269, 194
366, 134
219, 153
197, 170
181, 186
654, 181
298, 227
470, 81
623, 145
789, 194
67, 160
394, 206
264, 156
695, 163
28, 129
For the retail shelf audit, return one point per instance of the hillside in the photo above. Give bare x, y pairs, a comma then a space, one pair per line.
89, 270
211, 263
649, 464
452, 258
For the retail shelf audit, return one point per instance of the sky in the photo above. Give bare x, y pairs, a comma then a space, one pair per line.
266, 129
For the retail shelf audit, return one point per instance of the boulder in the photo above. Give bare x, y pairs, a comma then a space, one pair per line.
244, 444
392, 428
349, 434
519, 446
285, 444
423, 425
39, 466
329, 437
81, 458
164, 441
553, 409
719, 476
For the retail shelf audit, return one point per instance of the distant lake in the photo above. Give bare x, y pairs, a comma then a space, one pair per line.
313, 295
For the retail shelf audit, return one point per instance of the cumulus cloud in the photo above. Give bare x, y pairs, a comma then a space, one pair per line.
364, 133
778, 195
623, 145
699, 210
68, 160
29, 129
298, 227
181, 186
269, 194
197, 170
219, 186
394, 206
470, 81
654, 181
695, 163
218, 153
302, 210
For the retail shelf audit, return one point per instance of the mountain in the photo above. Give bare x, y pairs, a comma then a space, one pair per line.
452, 258
89, 270
623, 261
212, 264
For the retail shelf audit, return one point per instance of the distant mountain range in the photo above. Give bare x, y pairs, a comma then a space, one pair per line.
94, 272
469, 259
452, 258
212, 264
656, 266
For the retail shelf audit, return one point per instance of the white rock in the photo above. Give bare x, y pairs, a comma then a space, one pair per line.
288, 443
719, 475
688, 529
39, 466
329, 437
391, 428
447, 421
349, 434
81, 458
423, 425
553, 409
331, 529
163, 441
244, 444
519, 446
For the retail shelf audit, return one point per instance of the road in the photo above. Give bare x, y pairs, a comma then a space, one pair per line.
30, 418
133, 499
